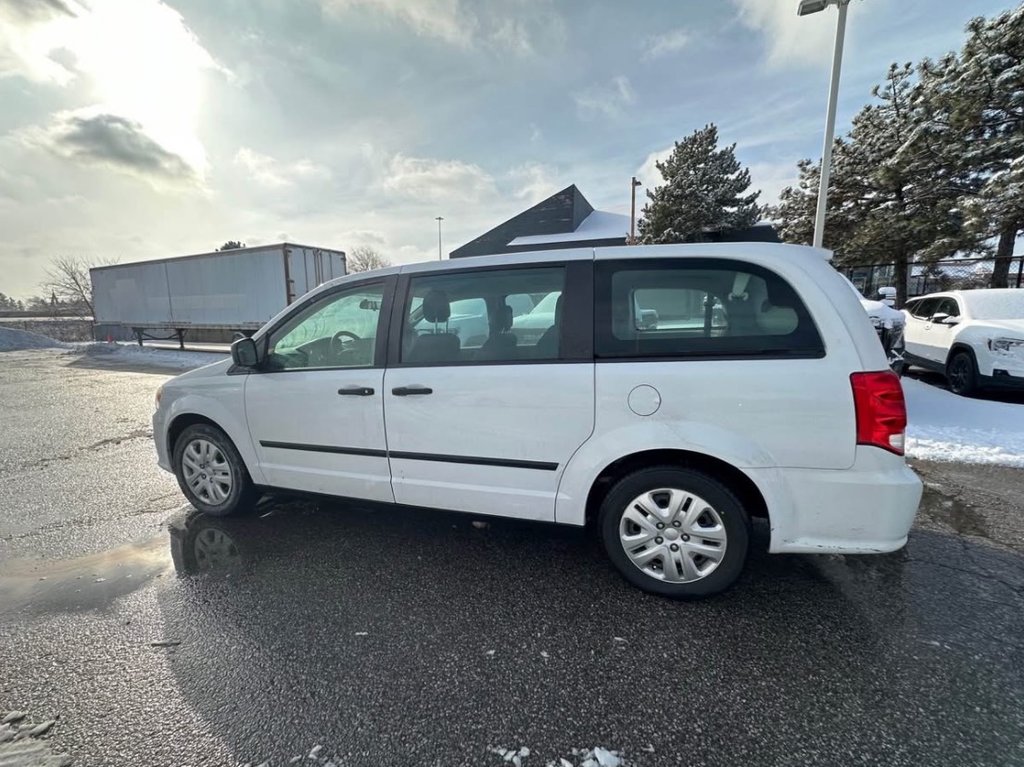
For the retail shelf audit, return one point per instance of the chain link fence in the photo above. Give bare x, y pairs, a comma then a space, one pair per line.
955, 274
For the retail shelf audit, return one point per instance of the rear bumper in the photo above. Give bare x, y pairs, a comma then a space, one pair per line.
867, 509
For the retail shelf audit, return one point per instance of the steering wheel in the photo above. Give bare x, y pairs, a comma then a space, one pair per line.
337, 345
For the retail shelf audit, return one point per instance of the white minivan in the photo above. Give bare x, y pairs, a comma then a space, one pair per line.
678, 392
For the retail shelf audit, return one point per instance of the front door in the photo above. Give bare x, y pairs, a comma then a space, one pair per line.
939, 335
918, 327
315, 410
485, 421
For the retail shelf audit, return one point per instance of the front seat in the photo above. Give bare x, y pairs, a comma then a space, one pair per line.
437, 346
500, 344
548, 345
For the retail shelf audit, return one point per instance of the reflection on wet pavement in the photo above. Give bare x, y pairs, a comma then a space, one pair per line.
418, 633
82, 583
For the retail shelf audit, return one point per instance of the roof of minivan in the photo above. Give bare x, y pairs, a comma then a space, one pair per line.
762, 250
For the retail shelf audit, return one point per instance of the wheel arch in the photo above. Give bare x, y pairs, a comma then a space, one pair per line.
961, 346
183, 420
745, 489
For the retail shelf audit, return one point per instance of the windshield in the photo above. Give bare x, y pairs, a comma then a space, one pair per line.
1005, 304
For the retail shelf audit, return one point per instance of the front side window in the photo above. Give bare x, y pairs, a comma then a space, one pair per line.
337, 331
924, 308
468, 317
948, 306
699, 307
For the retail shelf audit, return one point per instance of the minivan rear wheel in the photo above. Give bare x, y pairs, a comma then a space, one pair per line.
211, 472
679, 533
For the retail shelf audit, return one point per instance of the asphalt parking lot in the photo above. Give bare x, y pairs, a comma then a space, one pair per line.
156, 636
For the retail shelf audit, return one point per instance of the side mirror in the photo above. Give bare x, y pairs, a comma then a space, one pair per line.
941, 318
245, 353
951, 320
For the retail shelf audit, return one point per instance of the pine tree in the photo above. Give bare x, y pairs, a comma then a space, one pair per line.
795, 212
976, 104
705, 190
894, 193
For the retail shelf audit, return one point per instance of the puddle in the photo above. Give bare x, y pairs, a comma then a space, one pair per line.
953, 513
84, 583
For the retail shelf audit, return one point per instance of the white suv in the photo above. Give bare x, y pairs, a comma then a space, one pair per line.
677, 392
974, 337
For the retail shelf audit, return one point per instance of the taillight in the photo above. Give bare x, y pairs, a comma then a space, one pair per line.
881, 411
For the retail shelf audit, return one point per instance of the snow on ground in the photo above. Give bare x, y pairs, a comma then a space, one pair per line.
945, 427
133, 354
24, 744
13, 340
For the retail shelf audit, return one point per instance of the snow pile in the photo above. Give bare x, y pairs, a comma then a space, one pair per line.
945, 427
133, 354
13, 340
22, 743
582, 757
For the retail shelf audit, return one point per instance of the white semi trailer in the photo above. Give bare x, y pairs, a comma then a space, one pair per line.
231, 290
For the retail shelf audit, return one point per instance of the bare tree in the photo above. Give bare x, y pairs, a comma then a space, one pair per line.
365, 259
68, 282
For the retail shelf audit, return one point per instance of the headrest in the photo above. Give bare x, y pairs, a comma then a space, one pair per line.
436, 307
739, 287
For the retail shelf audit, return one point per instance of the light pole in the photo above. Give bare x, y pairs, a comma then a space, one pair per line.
439, 219
806, 8
633, 184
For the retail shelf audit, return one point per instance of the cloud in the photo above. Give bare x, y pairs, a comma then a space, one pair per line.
430, 180
533, 182
771, 178
648, 173
606, 100
274, 174
115, 142
666, 43
467, 23
791, 40
137, 59
34, 10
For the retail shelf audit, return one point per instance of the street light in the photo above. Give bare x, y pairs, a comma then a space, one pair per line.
439, 219
806, 8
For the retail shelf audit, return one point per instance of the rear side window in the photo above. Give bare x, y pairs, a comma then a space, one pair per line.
699, 307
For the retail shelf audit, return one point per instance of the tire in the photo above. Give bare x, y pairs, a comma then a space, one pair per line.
721, 521
212, 455
962, 374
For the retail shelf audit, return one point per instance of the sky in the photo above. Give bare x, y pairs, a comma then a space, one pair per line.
137, 129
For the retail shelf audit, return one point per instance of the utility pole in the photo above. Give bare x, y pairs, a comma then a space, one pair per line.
439, 219
633, 184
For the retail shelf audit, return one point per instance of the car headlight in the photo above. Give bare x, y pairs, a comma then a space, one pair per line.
1006, 345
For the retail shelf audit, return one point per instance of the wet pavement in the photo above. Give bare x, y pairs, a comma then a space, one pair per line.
162, 637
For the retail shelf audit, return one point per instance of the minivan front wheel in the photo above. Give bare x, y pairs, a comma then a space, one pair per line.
211, 472
678, 533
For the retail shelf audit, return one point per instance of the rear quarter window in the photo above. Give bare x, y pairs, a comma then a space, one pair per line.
662, 308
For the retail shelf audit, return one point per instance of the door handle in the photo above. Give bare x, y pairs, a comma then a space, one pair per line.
405, 391
356, 391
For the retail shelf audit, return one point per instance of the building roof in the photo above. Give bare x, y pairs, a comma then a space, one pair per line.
564, 219
599, 225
